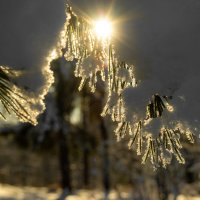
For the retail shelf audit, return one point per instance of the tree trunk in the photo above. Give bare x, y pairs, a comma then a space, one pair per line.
161, 182
105, 155
86, 167
64, 164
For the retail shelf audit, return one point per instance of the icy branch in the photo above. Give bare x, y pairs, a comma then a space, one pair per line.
140, 108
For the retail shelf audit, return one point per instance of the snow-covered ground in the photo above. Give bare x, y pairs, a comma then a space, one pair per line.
8, 192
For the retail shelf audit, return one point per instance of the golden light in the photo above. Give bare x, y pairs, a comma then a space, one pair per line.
170, 108
53, 54
103, 28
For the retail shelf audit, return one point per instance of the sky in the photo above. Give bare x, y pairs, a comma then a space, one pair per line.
29, 30
152, 33
161, 38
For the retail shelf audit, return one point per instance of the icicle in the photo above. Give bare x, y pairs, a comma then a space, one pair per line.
82, 83
98, 56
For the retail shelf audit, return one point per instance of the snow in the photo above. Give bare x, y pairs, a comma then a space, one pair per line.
162, 40
8, 192
29, 32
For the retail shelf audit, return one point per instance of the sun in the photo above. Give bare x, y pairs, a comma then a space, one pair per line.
103, 28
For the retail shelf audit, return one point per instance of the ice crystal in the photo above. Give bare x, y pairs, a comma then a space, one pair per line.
142, 111
16, 100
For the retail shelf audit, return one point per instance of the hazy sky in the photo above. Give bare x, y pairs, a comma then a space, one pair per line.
161, 38
149, 34
28, 30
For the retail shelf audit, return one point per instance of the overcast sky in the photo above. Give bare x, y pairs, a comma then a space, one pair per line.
161, 38
28, 31
153, 31
164, 33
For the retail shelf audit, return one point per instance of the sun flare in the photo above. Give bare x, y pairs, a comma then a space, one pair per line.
103, 28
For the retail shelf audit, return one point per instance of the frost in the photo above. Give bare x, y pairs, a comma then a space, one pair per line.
30, 40
88, 70
16, 100
155, 103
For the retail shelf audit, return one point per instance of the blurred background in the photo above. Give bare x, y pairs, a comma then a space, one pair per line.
73, 153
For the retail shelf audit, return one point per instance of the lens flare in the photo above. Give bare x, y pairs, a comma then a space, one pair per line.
103, 28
